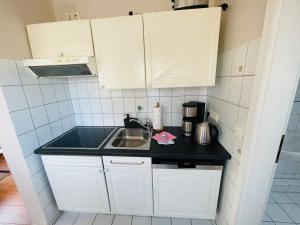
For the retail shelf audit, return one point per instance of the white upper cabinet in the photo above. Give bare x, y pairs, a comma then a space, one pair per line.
61, 39
119, 50
181, 47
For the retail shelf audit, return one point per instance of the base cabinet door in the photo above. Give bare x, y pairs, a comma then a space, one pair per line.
80, 189
130, 190
186, 193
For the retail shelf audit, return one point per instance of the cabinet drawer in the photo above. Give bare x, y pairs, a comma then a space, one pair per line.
116, 161
76, 161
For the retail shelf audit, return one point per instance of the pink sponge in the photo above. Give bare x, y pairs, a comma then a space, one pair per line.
164, 137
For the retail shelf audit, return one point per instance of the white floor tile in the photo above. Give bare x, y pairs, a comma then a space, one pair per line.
161, 221
293, 211
85, 219
277, 214
267, 218
122, 220
268, 223
180, 221
141, 220
201, 222
281, 197
103, 219
67, 218
295, 197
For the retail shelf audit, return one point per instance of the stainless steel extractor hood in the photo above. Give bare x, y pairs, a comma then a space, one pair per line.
62, 67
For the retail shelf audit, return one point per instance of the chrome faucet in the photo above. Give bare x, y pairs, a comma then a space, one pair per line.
135, 123
147, 127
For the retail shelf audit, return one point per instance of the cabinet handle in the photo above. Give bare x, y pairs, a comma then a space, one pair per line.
127, 163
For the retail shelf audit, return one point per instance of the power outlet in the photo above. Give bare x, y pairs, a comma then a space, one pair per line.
214, 115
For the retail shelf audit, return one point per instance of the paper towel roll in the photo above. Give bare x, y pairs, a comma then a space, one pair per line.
157, 118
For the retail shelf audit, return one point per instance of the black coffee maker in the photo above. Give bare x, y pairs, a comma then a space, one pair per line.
193, 113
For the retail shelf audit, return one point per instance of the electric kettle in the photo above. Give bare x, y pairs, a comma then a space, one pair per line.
206, 133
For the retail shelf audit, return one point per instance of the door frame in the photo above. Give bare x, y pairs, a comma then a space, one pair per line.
274, 88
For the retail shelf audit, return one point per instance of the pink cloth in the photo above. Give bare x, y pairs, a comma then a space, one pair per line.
159, 137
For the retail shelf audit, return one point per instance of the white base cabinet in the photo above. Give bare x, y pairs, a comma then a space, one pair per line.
129, 183
78, 183
186, 193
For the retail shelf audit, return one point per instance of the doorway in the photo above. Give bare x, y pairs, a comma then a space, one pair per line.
12, 209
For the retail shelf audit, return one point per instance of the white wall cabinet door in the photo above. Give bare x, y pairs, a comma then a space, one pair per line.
130, 188
181, 47
56, 39
186, 193
80, 189
119, 50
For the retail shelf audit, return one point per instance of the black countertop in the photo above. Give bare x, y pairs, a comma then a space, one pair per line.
184, 148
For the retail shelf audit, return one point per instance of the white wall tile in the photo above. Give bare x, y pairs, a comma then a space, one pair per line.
239, 60
93, 89
119, 119
73, 90
167, 119
165, 92
231, 117
235, 89
52, 112
246, 91
60, 92
34, 163
128, 93
106, 105
95, 105
56, 128
178, 91
143, 103
105, 93
9, 73
63, 108
108, 120
67, 123
188, 98
28, 142
241, 122
191, 91
115, 93
227, 63
129, 105
39, 116
22, 121
48, 93
97, 119
153, 92
176, 119
33, 95
87, 119
14, 97
78, 119
40, 180
85, 106
252, 55
165, 103
140, 93
76, 107
82, 91
44, 134
26, 75
177, 104
118, 105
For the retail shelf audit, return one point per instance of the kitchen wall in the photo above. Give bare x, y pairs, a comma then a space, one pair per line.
107, 8
96, 106
230, 99
14, 14
41, 109
241, 23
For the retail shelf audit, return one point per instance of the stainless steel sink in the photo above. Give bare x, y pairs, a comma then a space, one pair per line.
130, 138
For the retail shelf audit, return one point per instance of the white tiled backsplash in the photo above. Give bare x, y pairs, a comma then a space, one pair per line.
95, 106
230, 98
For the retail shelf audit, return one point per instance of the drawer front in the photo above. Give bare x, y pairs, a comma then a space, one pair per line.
116, 161
77, 161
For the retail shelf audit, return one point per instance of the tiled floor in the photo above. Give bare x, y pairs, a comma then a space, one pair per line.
68, 218
283, 209
12, 209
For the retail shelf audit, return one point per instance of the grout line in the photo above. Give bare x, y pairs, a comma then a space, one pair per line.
113, 220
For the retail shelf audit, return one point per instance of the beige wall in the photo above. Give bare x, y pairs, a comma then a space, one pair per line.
107, 8
14, 14
241, 23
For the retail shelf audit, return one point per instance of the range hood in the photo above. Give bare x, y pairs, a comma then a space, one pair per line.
62, 67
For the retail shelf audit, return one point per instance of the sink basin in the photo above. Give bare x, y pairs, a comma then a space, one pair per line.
130, 138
